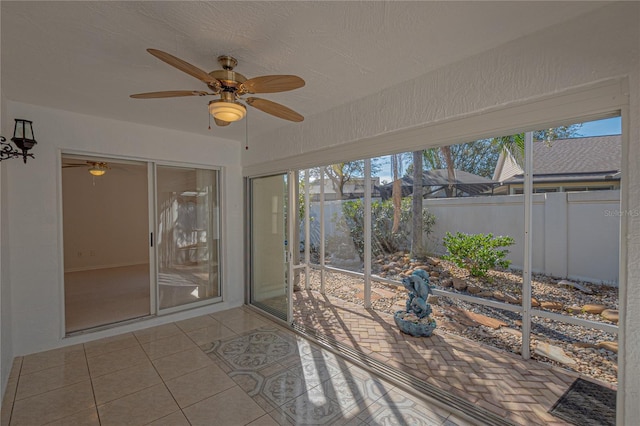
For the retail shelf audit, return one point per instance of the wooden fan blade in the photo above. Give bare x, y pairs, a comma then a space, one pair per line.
272, 84
169, 94
275, 109
220, 122
64, 166
183, 66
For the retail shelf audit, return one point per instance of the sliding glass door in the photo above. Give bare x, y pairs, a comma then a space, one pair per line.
270, 252
140, 239
188, 237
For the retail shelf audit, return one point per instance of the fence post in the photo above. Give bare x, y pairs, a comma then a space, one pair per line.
528, 255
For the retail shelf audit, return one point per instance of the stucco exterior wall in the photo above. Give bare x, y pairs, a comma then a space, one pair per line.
480, 97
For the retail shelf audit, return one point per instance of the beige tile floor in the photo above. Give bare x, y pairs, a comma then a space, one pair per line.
229, 368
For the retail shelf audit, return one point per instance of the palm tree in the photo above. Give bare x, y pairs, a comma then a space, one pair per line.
396, 192
417, 249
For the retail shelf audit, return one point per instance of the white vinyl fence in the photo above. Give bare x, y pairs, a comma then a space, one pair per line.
575, 234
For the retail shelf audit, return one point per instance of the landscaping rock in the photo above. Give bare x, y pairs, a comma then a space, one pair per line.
459, 316
498, 295
511, 331
554, 353
446, 283
433, 299
459, 284
610, 314
486, 321
479, 318
485, 293
512, 300
553, 306
593, 309
584, 345
577, 286
610, 346
474, 289
573, 309
534, 302
433, 262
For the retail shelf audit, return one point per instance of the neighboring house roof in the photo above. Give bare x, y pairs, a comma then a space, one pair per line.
567, 160
466, 182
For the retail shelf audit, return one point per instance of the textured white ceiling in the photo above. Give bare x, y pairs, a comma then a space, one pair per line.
90, 56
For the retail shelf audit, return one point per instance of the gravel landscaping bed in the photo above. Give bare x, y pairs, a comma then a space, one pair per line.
585, 350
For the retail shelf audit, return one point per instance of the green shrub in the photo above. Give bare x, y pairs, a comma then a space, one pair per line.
383, 241
477, 252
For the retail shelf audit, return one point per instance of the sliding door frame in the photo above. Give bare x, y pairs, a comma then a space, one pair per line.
288, 251
151, 232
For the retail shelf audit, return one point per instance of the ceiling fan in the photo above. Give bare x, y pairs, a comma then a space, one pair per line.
230, 86
96, 168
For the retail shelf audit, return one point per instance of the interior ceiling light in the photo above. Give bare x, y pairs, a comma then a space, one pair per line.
228, 111
98, 169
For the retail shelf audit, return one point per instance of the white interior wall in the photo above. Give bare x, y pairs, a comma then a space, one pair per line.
544, 79
33, 202
6, 347
105, 218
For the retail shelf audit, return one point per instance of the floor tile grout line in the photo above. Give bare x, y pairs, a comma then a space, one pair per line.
163, 381
145, 388
181, 409
93, 391
15, 391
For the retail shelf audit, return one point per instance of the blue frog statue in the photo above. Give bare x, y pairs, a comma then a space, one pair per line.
417, 286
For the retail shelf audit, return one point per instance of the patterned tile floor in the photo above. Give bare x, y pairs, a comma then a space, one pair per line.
230, 368
521, 391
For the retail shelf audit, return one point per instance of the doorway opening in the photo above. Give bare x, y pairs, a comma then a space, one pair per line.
106, 241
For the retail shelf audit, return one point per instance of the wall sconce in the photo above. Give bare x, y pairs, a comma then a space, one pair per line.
23, 139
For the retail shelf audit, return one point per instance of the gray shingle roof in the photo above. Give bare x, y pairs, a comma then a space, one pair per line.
578, 155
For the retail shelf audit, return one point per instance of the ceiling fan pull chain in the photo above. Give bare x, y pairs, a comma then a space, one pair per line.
246, 133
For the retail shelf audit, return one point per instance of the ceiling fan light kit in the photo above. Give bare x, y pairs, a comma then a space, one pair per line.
96, 171
230, 86
98, 168
227, 109
95, 168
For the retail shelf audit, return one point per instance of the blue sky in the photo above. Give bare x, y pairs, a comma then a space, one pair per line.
608, 126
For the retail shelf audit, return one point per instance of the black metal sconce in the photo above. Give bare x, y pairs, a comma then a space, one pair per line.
23, 139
